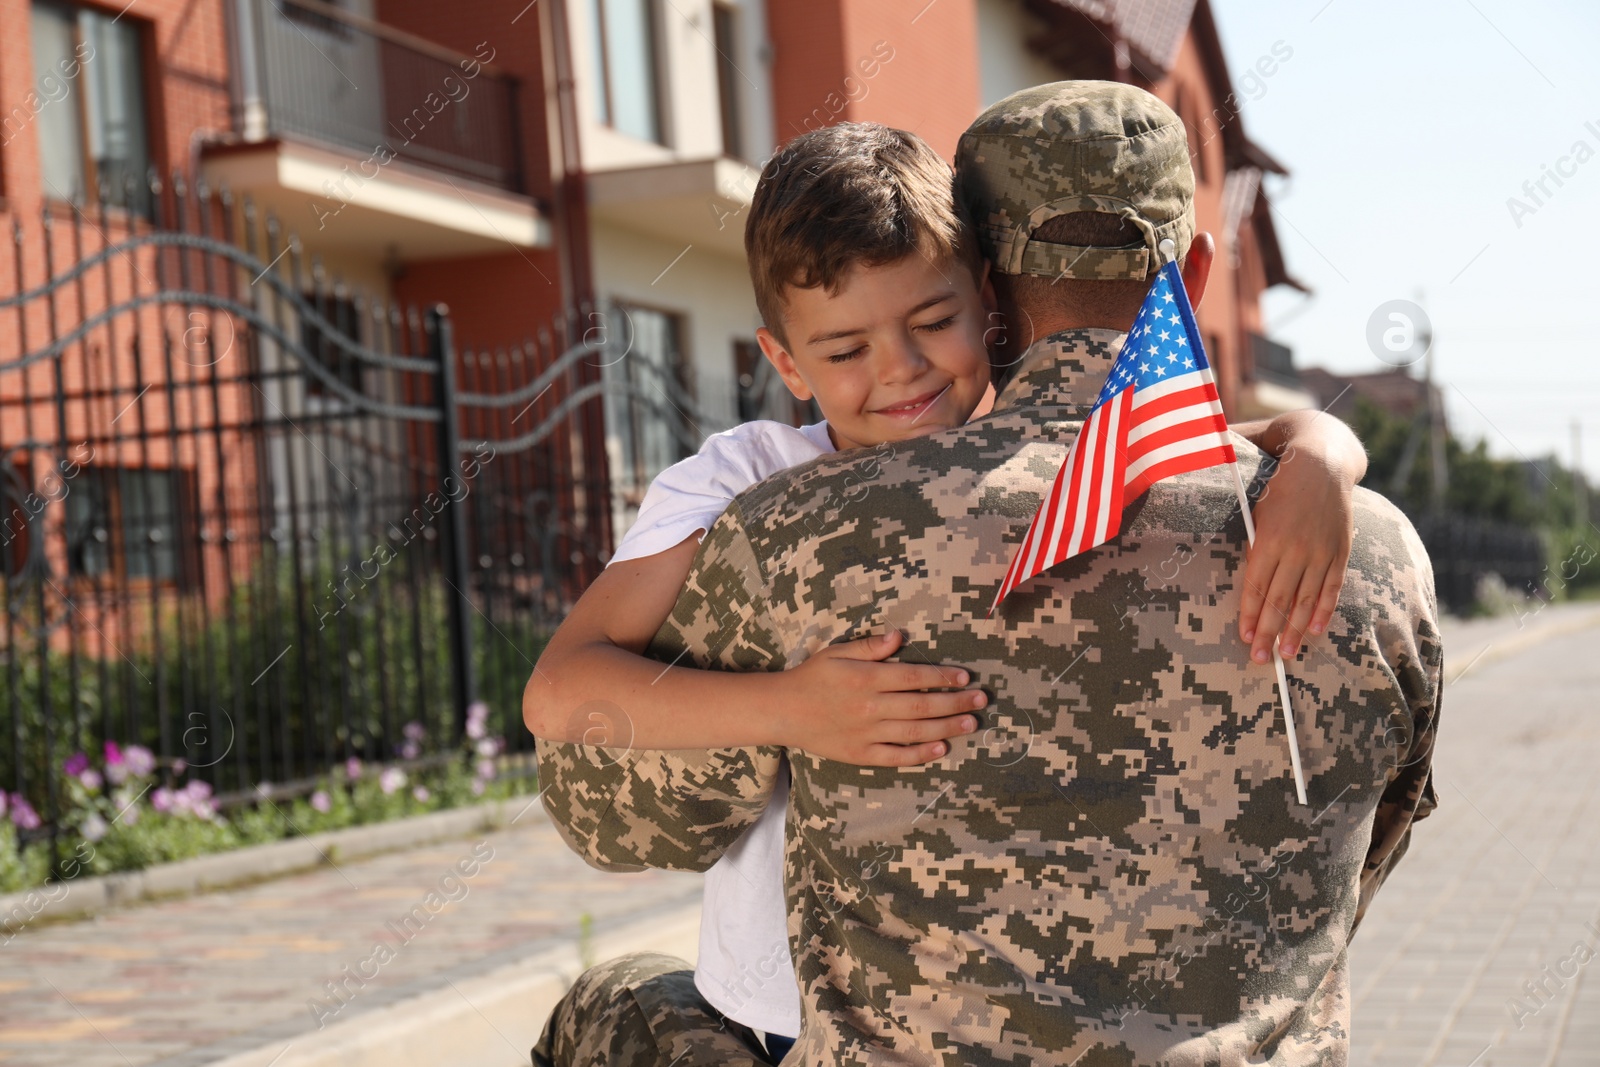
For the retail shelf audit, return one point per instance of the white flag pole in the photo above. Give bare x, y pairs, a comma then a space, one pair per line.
1168, 250
1277, 657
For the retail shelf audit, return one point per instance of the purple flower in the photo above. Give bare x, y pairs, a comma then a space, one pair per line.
477, 717
321, 801
179, 765
478, 787
421, 793
76, 764
91, 780
489, 747
485, 768
203, 809
162, 800
198, 790
22, 813
410, 750
113, 753
94, 827
414, 731
352, 768
140, 760
391, 779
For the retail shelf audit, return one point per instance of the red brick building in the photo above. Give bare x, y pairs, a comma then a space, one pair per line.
521, 161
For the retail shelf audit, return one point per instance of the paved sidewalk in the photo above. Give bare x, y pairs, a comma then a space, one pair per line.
149, 983
1499, 898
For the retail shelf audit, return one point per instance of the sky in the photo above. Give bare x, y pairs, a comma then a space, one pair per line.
1407, 128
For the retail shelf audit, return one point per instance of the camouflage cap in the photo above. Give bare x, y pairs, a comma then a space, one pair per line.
1076, 146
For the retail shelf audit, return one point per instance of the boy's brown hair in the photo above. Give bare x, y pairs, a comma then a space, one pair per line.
858, 193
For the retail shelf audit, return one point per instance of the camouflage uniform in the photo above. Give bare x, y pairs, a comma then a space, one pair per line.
1114, 869
642, 1010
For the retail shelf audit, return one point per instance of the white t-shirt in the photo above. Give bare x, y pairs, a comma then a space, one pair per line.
744, 969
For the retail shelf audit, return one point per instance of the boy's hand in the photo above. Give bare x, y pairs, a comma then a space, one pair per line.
1305, 524
845, 705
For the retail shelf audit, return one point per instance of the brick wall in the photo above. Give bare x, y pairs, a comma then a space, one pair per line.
505, 297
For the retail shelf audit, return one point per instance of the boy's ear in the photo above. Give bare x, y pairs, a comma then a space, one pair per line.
783, 363
1197, 266
991, 302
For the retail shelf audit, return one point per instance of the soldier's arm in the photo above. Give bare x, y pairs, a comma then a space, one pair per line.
1409, 642
1304, 526
622, 808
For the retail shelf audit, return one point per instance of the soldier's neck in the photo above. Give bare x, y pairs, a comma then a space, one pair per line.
1065, 368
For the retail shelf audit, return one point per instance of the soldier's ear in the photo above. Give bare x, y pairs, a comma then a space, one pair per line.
783, 363
1197, 266
991, 302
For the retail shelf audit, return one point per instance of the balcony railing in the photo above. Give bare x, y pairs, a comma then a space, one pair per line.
1274, 362
309, 70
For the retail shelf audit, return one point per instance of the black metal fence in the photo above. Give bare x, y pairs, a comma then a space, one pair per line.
259, 522
1465, 550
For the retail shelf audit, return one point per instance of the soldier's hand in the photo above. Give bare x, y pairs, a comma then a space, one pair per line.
1305, 523
847, 705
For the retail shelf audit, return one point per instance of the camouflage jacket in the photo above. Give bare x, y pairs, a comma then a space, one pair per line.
1114, 869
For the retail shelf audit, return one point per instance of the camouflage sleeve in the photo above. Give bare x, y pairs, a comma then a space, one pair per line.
623, 809
1414, 651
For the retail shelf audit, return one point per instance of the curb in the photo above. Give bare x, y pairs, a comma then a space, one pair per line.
486, 1014
95, 894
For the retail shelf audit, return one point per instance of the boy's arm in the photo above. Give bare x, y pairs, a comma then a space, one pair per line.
593, 684
626, 809
1305, 521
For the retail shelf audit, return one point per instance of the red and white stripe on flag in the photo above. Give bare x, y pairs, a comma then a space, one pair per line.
1131, 440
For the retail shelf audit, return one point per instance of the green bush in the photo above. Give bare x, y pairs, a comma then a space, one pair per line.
340, 689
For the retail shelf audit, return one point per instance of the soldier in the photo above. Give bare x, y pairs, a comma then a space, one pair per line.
1114, 869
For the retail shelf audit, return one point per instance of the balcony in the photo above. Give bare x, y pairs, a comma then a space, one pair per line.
360, 135
1273, 385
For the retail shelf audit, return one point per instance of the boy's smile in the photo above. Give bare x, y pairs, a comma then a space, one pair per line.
897, 352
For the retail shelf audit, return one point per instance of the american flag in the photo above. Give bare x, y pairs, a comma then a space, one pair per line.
1157, 416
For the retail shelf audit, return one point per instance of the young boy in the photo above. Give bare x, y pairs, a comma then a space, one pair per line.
877, 305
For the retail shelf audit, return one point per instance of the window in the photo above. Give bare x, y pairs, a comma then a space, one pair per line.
128, 522
92, 131
762, 394
19, 507
329, 354
648, 398
723, 21
1199, 139
624, 35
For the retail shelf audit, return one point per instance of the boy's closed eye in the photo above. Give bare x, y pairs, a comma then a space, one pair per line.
929, 327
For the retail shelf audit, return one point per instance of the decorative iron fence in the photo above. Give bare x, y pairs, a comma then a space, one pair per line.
1465, 550
259, 522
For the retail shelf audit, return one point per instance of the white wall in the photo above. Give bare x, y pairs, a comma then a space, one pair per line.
713, 298
1005, 63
